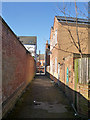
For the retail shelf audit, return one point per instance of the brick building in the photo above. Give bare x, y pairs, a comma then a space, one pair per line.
41, 63
61, 44
47, 56
30, 43
65, 61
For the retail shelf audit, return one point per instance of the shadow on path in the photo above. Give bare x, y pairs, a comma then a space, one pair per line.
42, 99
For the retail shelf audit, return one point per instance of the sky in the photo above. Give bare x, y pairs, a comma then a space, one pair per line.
33, 19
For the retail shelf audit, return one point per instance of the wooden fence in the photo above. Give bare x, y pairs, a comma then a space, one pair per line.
82, 70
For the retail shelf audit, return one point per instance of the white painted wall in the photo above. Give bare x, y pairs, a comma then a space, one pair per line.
53, 40
31, 49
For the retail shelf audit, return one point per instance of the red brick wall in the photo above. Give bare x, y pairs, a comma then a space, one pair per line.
69, 65
18, 66
76, 95
47, 58
0, 71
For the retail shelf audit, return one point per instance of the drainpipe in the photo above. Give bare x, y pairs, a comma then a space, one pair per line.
76, 113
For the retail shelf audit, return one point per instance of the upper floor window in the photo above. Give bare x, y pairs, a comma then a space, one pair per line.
51, 66
55, 36
53, 41
56, 65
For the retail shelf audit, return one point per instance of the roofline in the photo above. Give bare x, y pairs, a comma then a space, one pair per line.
73, 19
27, 36
29, 44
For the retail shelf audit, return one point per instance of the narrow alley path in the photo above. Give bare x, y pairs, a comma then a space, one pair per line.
42, 100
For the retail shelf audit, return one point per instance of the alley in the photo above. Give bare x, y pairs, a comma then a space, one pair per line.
42, 99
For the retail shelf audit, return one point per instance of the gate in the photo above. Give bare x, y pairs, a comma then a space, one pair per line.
82, 76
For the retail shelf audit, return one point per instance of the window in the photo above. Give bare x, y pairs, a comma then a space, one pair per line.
51, 66
53, 41
56, 65
51, 44
56, 37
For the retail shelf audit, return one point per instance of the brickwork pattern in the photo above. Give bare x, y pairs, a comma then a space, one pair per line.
63, 51
0, 70
18, 67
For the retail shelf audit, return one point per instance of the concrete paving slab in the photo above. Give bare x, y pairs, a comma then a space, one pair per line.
42, 100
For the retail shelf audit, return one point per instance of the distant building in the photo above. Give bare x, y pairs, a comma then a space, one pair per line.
30, 43
47, 56
42, 59
41, 63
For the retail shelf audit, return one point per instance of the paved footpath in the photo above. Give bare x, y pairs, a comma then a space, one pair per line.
42, 100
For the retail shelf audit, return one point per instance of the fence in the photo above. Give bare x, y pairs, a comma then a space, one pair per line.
82, 68
82, 79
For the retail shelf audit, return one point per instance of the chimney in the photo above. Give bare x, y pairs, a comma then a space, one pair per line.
47, 44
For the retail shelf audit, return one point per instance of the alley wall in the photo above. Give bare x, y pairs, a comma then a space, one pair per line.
18, 68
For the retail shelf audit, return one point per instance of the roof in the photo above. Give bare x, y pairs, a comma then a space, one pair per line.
41, 57
28, 40
72, 20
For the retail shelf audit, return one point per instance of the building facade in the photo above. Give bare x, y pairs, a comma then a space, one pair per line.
30, 43
61, 42
41, 63
47, 57
67, 63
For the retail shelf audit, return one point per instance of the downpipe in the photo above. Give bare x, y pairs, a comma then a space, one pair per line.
76, 113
